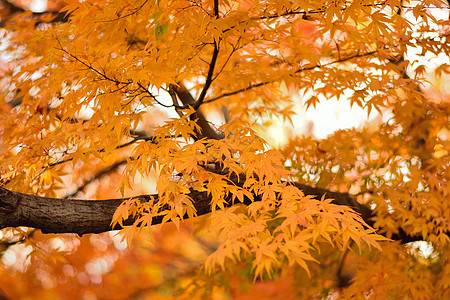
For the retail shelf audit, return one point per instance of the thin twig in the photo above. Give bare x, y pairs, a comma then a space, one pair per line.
252, 86
127, 15
134, 140
235, 48
90, 67
209, 77
100, 174
145, 90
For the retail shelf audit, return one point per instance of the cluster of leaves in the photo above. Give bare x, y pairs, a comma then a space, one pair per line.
102, 91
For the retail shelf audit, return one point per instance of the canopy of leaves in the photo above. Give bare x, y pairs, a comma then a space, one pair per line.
175, 99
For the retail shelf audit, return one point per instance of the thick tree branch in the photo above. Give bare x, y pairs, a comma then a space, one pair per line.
55, 215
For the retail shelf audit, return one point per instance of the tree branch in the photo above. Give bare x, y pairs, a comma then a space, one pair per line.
256, 85
212, 64
187, 99
56, 215
98, 175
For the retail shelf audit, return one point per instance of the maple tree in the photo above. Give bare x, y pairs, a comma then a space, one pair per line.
151, 117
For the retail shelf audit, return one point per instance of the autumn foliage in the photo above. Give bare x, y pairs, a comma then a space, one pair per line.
162, 111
